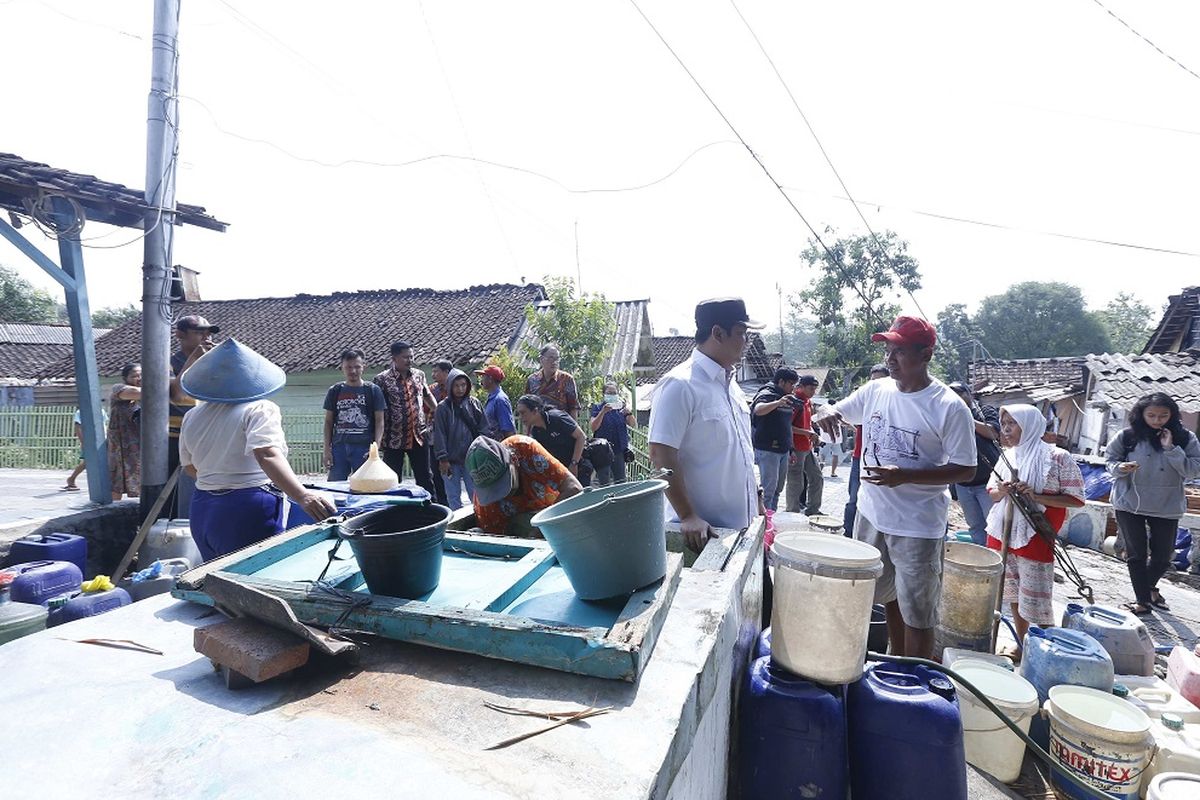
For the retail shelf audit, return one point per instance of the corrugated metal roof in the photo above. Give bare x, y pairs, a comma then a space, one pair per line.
24, 333
632, 339
1119, 380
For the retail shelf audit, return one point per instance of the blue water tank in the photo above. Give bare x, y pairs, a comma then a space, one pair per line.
40, 581
905, 735
89, 605
792, 736
1056, 656
50, 547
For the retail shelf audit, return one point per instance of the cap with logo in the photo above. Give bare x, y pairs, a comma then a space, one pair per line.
908, 330
490, 466
195, 322
724, 311
492, 371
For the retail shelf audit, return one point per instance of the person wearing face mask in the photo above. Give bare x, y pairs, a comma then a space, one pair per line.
1049, 477
1149, 462
611, 420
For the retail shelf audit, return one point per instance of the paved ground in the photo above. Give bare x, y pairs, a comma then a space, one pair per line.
29, 496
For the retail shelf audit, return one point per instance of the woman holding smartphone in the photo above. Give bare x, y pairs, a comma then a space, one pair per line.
1149, 462
612, 420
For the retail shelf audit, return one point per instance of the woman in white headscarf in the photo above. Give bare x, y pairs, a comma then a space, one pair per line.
1051, 479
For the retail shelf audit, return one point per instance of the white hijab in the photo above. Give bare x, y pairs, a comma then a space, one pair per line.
1031, 457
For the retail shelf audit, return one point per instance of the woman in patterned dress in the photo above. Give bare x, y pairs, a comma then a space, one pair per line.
124, 434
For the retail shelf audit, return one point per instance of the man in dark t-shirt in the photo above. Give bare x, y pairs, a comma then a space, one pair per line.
353, 418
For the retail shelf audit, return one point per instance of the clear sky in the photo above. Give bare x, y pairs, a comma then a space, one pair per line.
1039, 116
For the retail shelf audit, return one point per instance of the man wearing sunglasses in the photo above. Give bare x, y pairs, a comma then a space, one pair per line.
918, 438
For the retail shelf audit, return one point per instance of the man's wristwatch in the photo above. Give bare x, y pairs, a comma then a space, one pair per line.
574, 463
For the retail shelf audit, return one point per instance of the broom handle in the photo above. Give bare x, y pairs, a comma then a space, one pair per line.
1007, 534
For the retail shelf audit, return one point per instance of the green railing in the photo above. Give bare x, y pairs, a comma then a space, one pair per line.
640, 445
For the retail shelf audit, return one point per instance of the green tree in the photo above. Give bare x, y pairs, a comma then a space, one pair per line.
1040, 320
958, 340
21, 301
1128, 323
798, 342
114, 316
850, 297
583, 328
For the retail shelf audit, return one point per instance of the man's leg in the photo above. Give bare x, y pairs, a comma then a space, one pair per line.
918, 564
975, 504
419, 460
768, 475
794, 495
453, 486
852, 503
816, 484
782, 472
79, 468
339, 470
440, 491
395, 461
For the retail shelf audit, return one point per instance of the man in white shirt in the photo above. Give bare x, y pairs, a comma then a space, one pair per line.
918, 437
700, 428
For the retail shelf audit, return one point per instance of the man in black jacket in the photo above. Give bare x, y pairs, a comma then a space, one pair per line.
973, 496
771, 433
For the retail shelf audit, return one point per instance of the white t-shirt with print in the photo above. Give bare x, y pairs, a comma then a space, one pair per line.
911, 430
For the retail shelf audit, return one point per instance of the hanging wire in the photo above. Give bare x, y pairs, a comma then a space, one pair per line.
1161, 52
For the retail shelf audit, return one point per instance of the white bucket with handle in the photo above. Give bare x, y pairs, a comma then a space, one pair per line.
991, 745
1101, 739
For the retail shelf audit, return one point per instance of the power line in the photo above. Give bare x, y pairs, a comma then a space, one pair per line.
1131, 29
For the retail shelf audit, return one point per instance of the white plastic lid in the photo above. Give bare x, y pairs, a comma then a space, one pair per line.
1000, 685
1101, 709
834, 551
1174, 786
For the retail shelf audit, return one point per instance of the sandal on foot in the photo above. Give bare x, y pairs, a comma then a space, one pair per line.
1012, 653
68, 488
1158, 601
1137, 609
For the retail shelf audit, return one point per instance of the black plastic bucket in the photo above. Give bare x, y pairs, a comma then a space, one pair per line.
877, 638
399, 548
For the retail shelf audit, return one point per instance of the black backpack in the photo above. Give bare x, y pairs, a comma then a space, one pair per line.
599, 452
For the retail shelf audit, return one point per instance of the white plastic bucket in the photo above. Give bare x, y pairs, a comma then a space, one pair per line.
990, 745
1100, 739
1174, 786
824, 587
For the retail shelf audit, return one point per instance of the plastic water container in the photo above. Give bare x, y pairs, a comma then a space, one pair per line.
1057, 656
877, 636
952, 655
762, 646
1174, 786
40, 581
792, 736
167, 539
17, 619
50, 547
1155, 697
1177, 748
971, 577
1120, 633
989, 744
900, 720
821, 614
89, 605
1183, 673
1100, 739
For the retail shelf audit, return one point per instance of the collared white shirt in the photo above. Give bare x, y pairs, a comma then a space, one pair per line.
700, 411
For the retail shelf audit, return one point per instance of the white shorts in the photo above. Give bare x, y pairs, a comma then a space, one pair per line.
912, 572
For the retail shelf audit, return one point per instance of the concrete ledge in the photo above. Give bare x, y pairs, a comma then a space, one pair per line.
109, 530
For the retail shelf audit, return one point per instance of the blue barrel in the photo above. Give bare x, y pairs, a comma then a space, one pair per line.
791, 736
1122, 635
1056, 656
40, 581
50, 547
762, 648
89, 605
905, 735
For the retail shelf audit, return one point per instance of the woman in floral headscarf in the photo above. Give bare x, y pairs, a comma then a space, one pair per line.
1049, 477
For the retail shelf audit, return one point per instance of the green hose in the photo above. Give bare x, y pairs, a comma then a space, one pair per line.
1030, 743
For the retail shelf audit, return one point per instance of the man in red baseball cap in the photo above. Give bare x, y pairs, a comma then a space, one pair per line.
498, 408
918, 438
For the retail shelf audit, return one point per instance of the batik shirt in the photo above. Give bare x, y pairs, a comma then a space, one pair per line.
559, 393
540, 479
405, 419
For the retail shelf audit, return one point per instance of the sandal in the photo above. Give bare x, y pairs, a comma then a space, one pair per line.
1137, 609
68, 488
1157, 600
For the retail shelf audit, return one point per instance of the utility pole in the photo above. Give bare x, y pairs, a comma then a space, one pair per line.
161, 148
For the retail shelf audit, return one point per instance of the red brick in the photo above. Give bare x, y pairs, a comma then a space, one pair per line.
251, 648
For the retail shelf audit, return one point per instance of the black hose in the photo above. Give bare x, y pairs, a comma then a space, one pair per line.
1030, 743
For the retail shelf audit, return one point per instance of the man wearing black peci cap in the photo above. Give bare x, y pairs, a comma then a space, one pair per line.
700, 428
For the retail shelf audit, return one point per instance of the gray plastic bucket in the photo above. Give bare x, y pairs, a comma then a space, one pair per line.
610, 541
399, 548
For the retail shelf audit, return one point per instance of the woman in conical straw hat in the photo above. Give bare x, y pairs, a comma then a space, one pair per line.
232, 443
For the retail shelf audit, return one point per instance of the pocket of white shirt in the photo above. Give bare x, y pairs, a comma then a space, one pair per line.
716, 420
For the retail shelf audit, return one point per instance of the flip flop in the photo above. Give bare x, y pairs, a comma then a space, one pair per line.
1137, 609
1156, 600
68, 488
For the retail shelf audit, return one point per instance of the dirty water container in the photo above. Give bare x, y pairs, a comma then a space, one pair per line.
1099, 739
821, 613
900, 720
791, 736
1176, 748
609, 540
399, 548
89, 605
990, 745
167, 539
877, 636
1183, 673
1058, 656
50, 547
1155, 697
18, 619
1120, 633
1173, 786
971, 576
40, 581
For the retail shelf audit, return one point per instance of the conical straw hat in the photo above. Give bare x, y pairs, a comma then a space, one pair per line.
232, 373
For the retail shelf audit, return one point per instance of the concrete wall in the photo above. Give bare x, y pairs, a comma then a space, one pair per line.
109, 531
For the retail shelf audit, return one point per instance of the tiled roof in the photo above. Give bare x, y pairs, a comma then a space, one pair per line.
670, 351
21, 360
1119, 380
23, 182
1029, 372
1179, 329
308, 332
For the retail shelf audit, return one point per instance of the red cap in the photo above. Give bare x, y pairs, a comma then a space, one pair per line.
908, 330
493, 372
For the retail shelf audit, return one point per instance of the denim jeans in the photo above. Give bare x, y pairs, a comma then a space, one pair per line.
772, 469
976, 503
852, 503
805, 484
454, 485
347, 457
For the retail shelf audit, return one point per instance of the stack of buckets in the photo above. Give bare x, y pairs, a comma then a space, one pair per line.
815, 720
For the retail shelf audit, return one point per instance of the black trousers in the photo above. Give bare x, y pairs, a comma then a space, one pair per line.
439, 486
1137, 530
418, 459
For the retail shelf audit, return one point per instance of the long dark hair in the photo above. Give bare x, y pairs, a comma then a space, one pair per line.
1143, 432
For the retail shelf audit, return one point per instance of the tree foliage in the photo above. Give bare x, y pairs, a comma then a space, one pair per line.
582, 327
798, 341
845, 316
1040, 320
114, 316
1128, 323
958, 342
21, 301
